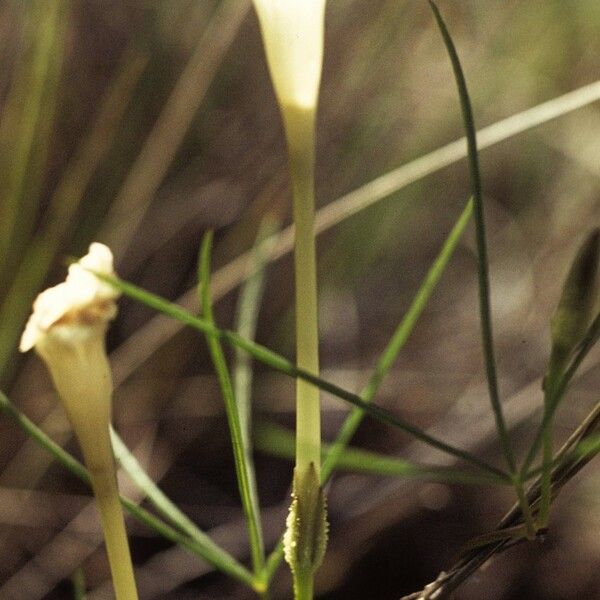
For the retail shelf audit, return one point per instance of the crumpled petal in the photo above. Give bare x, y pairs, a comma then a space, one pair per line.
81, 301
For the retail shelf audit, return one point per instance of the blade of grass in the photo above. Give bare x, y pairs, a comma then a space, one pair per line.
31, 94
482, 272
283, 365
280, 442
485, 315
246, 322
161, 502
213, 554
399, 338
243, 468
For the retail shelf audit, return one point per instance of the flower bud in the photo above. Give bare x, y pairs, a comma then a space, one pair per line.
577, 302
306, 533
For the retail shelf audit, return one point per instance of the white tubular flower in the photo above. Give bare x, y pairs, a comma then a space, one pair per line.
67, 329
293, 32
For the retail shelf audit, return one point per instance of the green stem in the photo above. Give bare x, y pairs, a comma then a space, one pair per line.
546, 481
104, 484
303, 587
525, 508
242, 467
300, 132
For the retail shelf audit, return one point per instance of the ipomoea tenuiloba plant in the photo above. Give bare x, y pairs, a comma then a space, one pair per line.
67, 330
293, 35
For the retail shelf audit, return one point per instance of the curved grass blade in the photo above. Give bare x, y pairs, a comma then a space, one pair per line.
482, 271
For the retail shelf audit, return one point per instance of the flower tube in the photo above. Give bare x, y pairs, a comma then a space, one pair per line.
293, 32
67, 330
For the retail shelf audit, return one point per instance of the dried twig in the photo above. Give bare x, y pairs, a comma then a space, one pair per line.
567, 465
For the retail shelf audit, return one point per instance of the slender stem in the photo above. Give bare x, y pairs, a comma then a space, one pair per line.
482, 272
242, 466
104, 484
78, 583
94, 439
300, 131
525, 508
546, 481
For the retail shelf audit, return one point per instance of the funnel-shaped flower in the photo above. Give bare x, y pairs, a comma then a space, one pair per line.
67, 329
293, 37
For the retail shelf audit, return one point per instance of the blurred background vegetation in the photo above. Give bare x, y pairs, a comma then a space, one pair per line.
142, 123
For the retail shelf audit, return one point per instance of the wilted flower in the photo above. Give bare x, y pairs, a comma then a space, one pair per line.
67, 329
293, 33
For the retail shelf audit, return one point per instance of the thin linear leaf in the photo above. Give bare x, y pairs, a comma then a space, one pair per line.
213, 554
280, 442
482, 271
246, 321
242, 467
163, 504
399, 337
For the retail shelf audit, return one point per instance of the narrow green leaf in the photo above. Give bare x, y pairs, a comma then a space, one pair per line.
246, 321
244, 472
482, 272
280, 442
163, 504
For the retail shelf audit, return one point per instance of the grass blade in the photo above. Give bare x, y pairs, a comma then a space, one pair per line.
243, 468
246, 321
161, 502
482, 272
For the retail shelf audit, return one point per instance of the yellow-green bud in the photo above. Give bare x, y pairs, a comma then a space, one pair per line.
305, 538
577, 302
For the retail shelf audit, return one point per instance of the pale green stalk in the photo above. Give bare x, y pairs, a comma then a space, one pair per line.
300, 131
